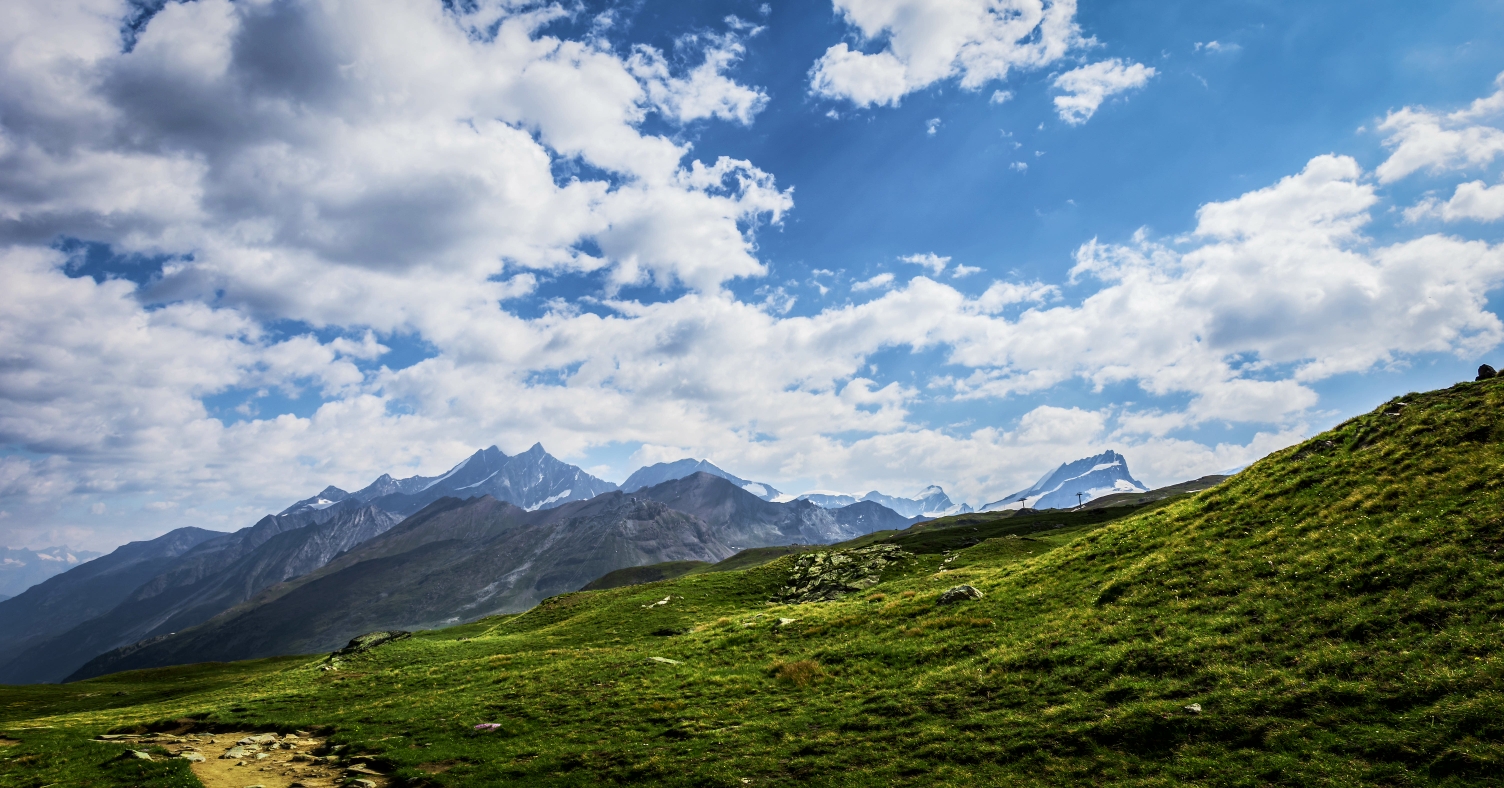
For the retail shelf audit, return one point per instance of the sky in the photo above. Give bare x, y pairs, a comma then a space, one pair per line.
250, 249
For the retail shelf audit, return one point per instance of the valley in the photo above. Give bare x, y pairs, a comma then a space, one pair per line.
1328, 616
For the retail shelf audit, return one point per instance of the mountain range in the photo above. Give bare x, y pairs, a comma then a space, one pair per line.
930, 502
461, 560
495, 534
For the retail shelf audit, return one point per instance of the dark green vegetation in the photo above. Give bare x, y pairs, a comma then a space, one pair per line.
652, 573
1333, 611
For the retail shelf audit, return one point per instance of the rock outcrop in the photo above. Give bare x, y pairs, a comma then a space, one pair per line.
822, 577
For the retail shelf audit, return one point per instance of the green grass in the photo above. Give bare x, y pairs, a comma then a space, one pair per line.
1334, 609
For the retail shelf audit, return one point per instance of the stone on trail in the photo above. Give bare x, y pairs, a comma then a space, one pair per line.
363, 783
235, 753
191, 756
960, 594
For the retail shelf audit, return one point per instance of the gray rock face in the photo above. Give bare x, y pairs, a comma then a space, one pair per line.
960, 594
531, 480
822, 577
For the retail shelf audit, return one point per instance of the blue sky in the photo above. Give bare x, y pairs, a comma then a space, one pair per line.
267, 246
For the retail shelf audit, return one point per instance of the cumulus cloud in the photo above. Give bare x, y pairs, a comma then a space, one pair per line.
336, 172
1471, 200
706, 91
927, 41
1421, 139
875, 283
1085, 88
934, 262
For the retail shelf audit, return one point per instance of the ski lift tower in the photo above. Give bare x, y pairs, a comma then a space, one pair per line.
1079, 495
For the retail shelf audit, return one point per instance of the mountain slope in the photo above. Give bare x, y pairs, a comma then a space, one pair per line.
90, 589
653, 475
1092, 477
453, 561
177, 599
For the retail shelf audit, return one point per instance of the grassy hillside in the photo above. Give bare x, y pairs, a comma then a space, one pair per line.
1330, 616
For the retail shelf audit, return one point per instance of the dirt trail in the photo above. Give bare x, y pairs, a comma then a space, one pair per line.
247, 759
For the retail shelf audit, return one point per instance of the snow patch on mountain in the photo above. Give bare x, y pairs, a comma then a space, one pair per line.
1074, 483
930, 502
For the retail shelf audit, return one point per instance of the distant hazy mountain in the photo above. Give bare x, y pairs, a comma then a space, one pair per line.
652, 475
1103, 474
90, 589
200, 584
21, 569
531, 480
930, 502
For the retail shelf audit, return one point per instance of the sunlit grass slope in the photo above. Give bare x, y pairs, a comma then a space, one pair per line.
1334, 610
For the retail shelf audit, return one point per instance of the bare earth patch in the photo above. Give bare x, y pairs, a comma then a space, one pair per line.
245, 759
4, 742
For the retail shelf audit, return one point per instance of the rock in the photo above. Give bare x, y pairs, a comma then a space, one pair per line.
665, 660
1485, 372
191, 756
235, 753
783, 622
363, 782
260, 738
261, 755
362, 769
141, 755
960, 594
822, 577
369, 641
1194, 708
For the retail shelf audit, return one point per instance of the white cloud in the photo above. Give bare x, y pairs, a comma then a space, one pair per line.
1085, 88
961, 271
934, 262
1000, 97
927, 41
705, 92
334, 185
1019, 166
931, 126
1217, 47
1472, 200
875, 283
1422, 139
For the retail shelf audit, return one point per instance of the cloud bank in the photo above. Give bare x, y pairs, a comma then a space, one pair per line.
309, 185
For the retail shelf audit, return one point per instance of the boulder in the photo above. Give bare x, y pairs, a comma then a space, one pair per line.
1485, 372
369, 641
960, 594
